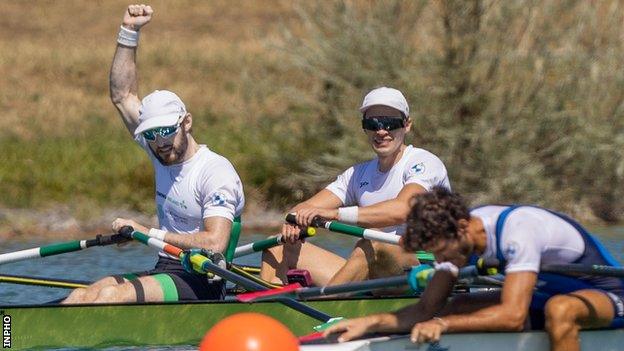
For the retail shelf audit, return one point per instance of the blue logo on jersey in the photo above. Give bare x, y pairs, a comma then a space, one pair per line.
511, 250
363, 184
419, 168
218, 199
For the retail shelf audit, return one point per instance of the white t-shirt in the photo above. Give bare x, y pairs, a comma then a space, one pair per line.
364, 185
530, 236
206, 185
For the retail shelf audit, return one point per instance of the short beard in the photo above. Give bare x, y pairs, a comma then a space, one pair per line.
178, 151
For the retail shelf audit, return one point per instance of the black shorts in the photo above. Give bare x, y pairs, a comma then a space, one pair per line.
176, 283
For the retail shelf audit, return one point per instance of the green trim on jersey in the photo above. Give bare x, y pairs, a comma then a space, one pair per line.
234, 235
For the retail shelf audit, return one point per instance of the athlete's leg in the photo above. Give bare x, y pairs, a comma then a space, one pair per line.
371, 260
90, 293
567, 314
321, 263
131, 291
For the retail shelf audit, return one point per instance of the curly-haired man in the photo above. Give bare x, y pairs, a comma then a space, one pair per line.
521, 238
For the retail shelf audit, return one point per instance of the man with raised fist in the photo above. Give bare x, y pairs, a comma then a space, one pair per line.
199, 196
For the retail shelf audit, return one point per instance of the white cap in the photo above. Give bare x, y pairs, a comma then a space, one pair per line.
161, 108
386, 97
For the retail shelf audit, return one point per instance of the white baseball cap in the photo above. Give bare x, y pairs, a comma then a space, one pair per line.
161, 108
387, 97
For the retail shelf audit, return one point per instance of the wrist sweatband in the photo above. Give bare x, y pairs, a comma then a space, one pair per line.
447, 266
157, 234
348, 214
128, 37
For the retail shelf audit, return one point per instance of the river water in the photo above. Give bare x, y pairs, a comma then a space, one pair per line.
97, 262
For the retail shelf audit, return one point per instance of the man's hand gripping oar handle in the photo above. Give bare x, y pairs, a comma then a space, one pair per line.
317, 222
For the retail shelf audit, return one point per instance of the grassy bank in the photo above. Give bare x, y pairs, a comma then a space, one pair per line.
521, 100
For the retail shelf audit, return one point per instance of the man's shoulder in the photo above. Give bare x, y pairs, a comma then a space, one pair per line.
418, 153
212, 162
362, 168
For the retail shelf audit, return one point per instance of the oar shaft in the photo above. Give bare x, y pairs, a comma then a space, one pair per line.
598, 270
350, 230
269, 243
60, 248
564, 269
366, 285
49, 282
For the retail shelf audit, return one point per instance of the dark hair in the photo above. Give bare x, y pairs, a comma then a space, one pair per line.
434, 215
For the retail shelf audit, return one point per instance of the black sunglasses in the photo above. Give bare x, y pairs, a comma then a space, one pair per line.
378, 123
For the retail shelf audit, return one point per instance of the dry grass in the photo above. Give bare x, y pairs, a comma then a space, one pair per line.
521, 99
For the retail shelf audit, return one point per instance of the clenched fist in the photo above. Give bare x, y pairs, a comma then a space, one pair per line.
137, 16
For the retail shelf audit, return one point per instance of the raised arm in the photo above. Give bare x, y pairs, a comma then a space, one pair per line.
123, 74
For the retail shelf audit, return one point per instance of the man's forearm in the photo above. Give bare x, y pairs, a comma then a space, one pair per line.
383, 214
202, 240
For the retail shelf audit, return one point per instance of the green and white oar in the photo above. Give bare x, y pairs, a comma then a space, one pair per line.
370, 234
61, 248
269, 243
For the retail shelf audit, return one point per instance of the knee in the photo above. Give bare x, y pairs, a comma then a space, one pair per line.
76, 296
560, 315
108, 294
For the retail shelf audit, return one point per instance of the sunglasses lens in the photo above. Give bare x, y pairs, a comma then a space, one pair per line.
164, 132
167, 131
379, 123
149, 135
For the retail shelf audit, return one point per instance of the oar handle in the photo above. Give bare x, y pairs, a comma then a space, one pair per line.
103, 240
317, 222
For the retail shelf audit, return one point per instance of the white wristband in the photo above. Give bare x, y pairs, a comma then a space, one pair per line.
348, 214
128, 37
447, 266
157, 234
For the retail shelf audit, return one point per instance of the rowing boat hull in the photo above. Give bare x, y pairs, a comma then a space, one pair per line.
82, 326
603, 340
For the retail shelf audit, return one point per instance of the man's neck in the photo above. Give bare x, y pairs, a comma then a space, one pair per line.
477, 232
191, 149
386, 162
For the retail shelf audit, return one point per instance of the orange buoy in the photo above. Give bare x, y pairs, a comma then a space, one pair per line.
249, 332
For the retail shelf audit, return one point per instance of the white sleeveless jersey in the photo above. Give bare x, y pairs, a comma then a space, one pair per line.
364, 185
203, 186
530, 236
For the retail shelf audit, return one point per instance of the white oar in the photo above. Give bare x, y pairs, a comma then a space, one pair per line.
359, 232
